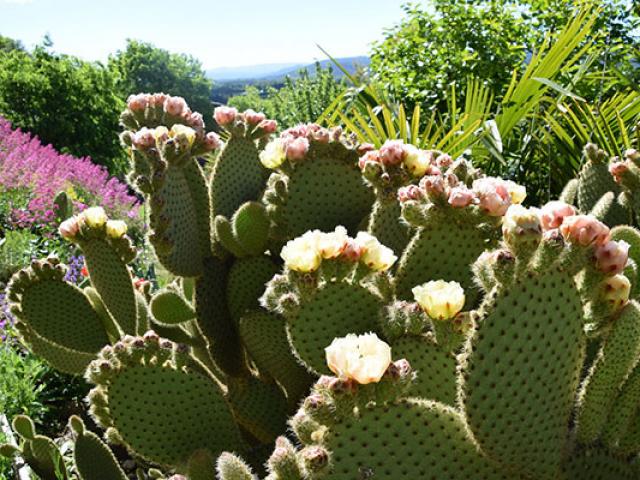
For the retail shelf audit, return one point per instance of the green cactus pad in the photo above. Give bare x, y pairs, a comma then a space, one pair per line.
260, 408
413, 438
60, 358
610, 211
44, 458
630, 443
598, 464
251, 227
201, 466
616, 360
623, 410
237, 177
521, 371
441, 253
199, 191
436, 368
323, 191
168, 307
570, 192
160, 411
94, 460
595, 181
387, 226
183, 255
246, 283
214, 320
265, 338
336, 310
112, 280
230, 467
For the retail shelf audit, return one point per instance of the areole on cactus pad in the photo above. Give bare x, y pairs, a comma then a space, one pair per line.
341, 312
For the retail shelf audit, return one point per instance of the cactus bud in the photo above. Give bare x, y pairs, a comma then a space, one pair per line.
225, 115
410, 192
392, 152
521, 227
615, 291
315, 458
460, 197
252, 117
584, 230
612, 257
553, 214
297, 148
69, 228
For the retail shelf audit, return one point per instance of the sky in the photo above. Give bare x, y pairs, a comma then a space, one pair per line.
219, 33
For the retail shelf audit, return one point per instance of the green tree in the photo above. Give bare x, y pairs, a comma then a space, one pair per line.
301, 99
142, 67
67, 102
7, 44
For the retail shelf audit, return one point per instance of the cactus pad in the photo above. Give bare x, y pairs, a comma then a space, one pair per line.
246, 283
93, 459
521, 372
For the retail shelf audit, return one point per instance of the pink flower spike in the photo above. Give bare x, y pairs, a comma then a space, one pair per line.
297, 149
268, 126
553, 213
392, 152
175, 106
252, 117
225, 115
460, 197
612, 257
584, 230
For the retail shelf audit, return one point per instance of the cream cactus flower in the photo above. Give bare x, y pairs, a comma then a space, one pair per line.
375, 255
439, 299
182, 131
273, 155
517, 192
417, 161
615, 290
94, 217
302, 254
116, 228
363, 358
69, 228
332, 244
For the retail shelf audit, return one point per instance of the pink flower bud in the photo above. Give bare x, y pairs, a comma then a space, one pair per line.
158, 99
297, 149
69, 228
212, 141
612, 257
252, 117
336, 133
321, 135
225, 115
553, 213
144, 138
175, 106
195, 120
269, 126
443, 161
584, 230
370, 156
410, 192
392, 152
433, 185
365, 147
138, 103
460, 197
618, 169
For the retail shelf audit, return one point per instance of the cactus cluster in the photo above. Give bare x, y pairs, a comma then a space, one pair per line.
341, 312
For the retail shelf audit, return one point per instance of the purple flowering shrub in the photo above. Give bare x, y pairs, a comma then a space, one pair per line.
32, 174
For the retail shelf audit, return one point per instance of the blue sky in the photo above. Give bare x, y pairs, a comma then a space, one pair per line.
219, 33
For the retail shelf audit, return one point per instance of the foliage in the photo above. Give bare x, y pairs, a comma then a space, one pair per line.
7, 44
67, 102
15, 252
142, 67
36, 173
300, 100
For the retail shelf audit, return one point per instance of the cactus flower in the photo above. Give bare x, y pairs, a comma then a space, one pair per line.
392, 152
253, 118
519, 220
417, 161
332, 244
144, 138
616, 290
175, 106
273, 155
116, 228
269, 126
69, 228
612, 257
137, 103
618, 169
460, 197
363, 358
212, 141
301, 254
297, 149
439, 299
375, 255
225, 115
553, 214
183, 134
493, 195
369, 156
517, 193
94, 217
584, 230
410, 192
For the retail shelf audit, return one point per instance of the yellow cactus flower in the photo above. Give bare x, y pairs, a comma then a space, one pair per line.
375, 255
363, 358
439, 299
116, 228
273, 155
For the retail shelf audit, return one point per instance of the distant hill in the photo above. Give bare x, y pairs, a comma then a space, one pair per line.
278, 71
